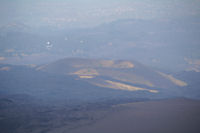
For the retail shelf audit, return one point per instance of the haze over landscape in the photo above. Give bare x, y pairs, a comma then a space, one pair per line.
91, 66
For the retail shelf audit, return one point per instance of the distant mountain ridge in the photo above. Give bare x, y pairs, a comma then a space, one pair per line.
158, 43
101, 76
116, 74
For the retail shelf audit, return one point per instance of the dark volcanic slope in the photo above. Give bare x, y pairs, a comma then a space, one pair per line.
56, 88
193, 80
116, 74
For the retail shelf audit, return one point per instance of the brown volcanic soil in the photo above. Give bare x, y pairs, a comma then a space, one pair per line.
166, 116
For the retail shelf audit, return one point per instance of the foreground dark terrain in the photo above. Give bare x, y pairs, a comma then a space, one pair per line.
166, 116
94, 96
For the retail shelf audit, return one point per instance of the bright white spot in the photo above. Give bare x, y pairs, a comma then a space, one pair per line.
49, 45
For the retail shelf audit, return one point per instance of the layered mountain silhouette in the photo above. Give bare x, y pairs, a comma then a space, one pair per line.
158, 43
80, 79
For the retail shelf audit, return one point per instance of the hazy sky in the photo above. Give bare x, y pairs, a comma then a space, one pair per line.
92, 12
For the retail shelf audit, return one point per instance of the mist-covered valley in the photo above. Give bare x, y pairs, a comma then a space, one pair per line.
99, 67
